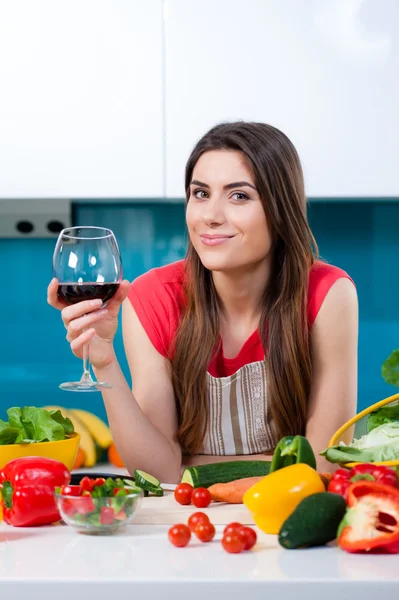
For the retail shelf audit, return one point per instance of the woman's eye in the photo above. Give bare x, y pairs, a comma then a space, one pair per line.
200, 194
240, 196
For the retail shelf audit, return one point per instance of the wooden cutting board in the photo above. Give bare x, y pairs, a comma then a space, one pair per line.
166, 511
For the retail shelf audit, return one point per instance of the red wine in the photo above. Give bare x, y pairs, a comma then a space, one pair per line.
72, 293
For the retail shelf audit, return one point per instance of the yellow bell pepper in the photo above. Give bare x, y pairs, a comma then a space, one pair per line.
275, 497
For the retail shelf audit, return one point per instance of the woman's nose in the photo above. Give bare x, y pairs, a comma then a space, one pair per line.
213, 212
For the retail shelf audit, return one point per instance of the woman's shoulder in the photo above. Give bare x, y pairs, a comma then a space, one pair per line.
172, 273
322, 276
157, 297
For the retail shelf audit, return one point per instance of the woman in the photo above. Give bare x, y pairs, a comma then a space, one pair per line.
249, 339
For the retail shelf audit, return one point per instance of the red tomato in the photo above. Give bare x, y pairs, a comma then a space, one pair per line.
70, 490
183, 493
339, 486
248, 536
179, 535
232, 527
195, 518
99, 481
84, 504
107, 515
121, 515
205, 531
233, 542
68, 507
201, 497
86, 484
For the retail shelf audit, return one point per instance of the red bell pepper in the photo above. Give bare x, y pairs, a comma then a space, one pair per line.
27, 489
371, 523
342, 478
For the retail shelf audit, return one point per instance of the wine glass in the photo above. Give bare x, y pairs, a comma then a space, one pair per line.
88, 266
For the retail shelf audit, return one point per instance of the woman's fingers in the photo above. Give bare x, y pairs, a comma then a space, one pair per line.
75, 311
52, 297
78, 343
76, 326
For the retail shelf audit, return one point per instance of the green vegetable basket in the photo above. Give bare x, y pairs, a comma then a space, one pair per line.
357, 427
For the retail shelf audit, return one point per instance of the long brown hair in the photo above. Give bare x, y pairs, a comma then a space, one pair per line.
283, 323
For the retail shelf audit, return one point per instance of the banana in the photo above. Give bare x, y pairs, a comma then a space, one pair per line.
98, 429
86, 441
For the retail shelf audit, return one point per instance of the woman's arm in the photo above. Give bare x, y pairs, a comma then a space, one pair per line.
143, 423
334, 344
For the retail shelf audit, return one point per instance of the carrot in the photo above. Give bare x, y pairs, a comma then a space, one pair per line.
233, 491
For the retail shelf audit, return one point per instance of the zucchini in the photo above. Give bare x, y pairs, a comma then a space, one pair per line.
314, 522
224, 472
146, 482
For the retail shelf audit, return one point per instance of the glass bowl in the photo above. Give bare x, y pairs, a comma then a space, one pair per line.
98, 516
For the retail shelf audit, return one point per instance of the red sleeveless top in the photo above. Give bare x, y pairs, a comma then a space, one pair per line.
157, 298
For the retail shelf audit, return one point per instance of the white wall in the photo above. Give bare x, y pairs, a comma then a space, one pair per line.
106, 98
326, 72
81, 98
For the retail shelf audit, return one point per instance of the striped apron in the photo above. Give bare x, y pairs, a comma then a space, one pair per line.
238, 417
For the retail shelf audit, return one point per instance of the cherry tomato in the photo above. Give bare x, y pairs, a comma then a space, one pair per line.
232, 527
233, 542
195, 518
183, 493
339, 486
107, 515
201, 497
248, 536
179, 535
205, 531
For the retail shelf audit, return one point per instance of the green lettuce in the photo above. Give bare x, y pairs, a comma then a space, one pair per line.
381, 444
385, 414
29, 424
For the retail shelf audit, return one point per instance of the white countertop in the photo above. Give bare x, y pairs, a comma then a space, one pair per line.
57, 562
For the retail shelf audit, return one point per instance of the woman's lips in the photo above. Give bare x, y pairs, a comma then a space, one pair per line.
215, 240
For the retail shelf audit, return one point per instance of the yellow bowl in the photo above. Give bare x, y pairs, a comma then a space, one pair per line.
64, 450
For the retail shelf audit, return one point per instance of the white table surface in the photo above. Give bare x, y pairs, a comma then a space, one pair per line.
57, 562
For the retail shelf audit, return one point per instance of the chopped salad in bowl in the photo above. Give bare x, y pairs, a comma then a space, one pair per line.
98, 505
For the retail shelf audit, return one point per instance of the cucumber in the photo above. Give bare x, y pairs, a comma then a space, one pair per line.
129, 482
224, 472
146, 481
157, 492
314, 521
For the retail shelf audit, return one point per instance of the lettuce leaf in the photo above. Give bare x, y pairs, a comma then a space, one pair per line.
385, 414
30, 424
345, 454
381, 444
390, 368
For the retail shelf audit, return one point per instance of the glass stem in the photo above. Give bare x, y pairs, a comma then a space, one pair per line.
86, 377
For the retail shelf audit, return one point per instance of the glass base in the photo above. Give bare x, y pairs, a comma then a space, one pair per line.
82, 386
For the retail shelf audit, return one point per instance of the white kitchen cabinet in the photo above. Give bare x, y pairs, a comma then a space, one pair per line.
323, 71
81, 99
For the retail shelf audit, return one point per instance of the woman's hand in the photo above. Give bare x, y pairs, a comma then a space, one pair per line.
100, 324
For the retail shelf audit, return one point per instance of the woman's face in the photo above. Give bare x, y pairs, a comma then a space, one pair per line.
225, 216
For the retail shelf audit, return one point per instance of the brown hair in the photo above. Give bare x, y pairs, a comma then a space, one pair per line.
283, 323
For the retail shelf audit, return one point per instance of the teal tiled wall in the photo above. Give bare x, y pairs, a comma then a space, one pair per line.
35, 357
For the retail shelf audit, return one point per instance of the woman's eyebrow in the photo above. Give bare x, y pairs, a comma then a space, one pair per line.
229, 186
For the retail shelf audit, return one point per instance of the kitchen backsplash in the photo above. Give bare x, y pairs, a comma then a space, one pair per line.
358, 236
